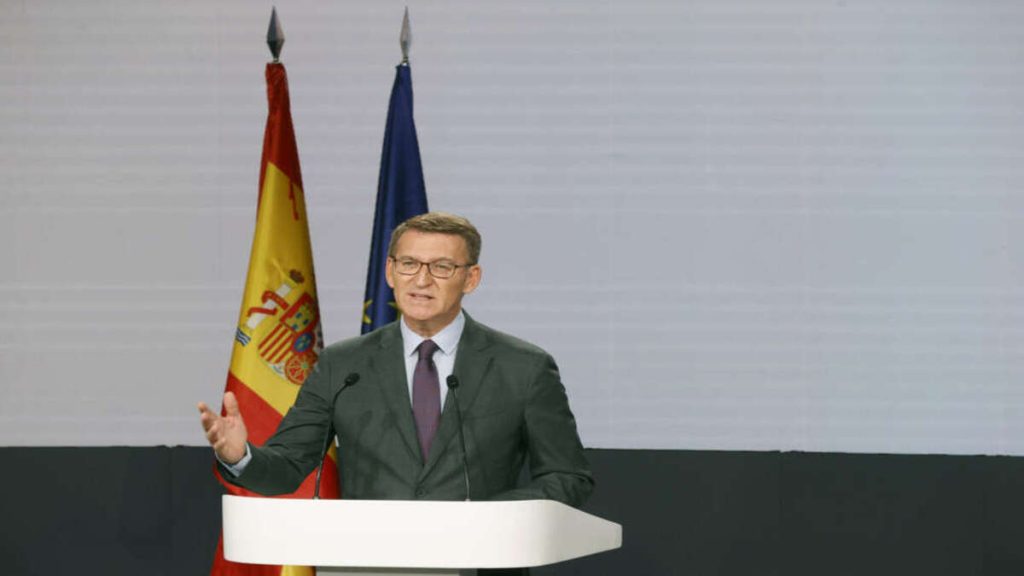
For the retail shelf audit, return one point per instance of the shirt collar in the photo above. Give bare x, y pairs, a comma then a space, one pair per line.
447, 339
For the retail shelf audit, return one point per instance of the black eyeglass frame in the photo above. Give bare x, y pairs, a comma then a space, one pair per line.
430, 267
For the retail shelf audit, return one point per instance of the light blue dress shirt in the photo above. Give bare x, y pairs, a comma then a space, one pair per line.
447, 341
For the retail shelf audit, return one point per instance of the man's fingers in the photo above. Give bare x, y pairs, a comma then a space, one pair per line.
213, 433
208, 419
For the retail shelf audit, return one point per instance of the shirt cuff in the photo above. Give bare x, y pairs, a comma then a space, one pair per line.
237, 468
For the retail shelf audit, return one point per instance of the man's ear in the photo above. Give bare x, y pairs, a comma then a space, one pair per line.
389, 273
473, 277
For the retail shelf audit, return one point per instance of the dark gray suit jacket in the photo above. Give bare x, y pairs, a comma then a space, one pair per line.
513, 404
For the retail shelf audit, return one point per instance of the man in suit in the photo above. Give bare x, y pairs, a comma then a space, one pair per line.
396, 422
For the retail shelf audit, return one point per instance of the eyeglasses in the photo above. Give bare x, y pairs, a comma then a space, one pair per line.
442, 269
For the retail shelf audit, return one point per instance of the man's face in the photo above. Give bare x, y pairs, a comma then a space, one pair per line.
429, 304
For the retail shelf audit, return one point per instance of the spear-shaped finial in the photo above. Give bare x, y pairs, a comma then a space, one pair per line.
275, 35
406, 38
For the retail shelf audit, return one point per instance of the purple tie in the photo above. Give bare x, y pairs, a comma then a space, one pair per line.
426, 396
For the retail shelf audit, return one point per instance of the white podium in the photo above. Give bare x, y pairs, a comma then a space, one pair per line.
399, 537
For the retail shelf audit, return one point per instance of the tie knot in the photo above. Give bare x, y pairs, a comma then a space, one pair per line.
427, 349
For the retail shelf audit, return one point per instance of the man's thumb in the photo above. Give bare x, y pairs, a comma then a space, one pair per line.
231, 404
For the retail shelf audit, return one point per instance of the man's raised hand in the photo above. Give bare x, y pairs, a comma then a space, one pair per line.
226, 434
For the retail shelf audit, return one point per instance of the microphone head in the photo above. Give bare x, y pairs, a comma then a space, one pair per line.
351, 379
452, 381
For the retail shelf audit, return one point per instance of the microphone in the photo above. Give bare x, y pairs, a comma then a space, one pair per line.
350, 380
453, 387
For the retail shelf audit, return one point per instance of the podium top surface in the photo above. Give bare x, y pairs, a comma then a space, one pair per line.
411, 534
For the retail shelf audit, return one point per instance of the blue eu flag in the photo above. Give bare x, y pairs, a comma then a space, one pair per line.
401, 195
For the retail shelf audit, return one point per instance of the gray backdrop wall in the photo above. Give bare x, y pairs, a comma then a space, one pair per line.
737, 225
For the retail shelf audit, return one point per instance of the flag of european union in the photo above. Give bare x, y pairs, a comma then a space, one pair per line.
401, 194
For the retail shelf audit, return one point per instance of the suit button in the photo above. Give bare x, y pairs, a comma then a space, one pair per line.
420, 492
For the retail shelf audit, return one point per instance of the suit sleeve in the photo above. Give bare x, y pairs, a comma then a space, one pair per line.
287, 457
558, 467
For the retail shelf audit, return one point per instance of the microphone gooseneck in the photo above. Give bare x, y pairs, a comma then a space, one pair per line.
453, 387
350, 380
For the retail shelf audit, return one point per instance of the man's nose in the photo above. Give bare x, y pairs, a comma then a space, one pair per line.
423, 277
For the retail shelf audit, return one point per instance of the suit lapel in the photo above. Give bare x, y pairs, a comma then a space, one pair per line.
470, 366
390, 365
472, 362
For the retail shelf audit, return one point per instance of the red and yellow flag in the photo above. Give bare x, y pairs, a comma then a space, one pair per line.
279, 335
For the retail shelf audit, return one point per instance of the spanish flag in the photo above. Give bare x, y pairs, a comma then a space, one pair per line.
279, 336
